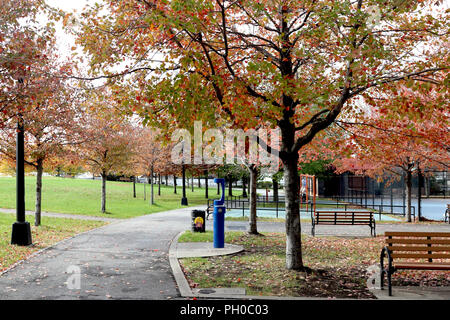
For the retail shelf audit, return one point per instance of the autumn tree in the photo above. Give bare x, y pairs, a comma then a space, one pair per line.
49, 127
32, 98
151, 156
109, 144
24, 45
385, 142
295, 65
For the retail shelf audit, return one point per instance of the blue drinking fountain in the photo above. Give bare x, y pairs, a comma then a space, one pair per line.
219, 217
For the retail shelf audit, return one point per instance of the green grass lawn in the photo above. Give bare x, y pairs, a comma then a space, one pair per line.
83, 196
52, 230
338, 265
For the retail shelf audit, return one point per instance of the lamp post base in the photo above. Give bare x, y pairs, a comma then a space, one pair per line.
21, 234
184, 201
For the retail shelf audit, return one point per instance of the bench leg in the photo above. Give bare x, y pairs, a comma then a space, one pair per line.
389, 283
382, 271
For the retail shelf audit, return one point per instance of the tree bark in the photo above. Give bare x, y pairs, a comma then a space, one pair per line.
253, 195
244, 187
152, 199
275, 190
294, 259
103, 191
39, 169
159, 184
419, 193
230, 186
134, 186
408, 194
174, 184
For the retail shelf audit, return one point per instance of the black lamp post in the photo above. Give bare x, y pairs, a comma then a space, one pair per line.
184, 200
21, 231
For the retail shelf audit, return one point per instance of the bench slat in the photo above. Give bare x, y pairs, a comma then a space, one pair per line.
419, 248
416, 234
343, 220
348, 223
423, 266
418, 241
421, 255
343, 216
337, 211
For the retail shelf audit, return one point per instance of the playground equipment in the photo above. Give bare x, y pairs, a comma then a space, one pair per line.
268, 203
219, 217
310, 206
308, 191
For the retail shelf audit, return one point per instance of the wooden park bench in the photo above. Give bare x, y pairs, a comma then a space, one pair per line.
416, 251
343, 218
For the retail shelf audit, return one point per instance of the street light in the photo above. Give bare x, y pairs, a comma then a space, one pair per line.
184, 200
21, 230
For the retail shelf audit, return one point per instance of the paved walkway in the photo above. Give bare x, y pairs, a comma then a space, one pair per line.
124, 260
130, 259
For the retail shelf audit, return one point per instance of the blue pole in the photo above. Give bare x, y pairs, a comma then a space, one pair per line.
219, 217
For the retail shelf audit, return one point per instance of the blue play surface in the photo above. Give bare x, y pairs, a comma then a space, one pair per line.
265, 213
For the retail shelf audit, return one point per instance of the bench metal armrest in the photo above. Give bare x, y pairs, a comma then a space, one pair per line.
385, 252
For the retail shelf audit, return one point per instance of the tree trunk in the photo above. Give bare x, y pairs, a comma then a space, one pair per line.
275, 190
192, 182
408, 194
419, 194
152, 199
230, 186
427, 186
199, 182
159, 184
103, 191
174, 184
244, 186
294, 259
253, 217
134, 186
39, 169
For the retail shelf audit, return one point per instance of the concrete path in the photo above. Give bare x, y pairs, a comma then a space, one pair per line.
124, 260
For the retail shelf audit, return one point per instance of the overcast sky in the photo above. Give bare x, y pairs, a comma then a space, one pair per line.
65, 41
